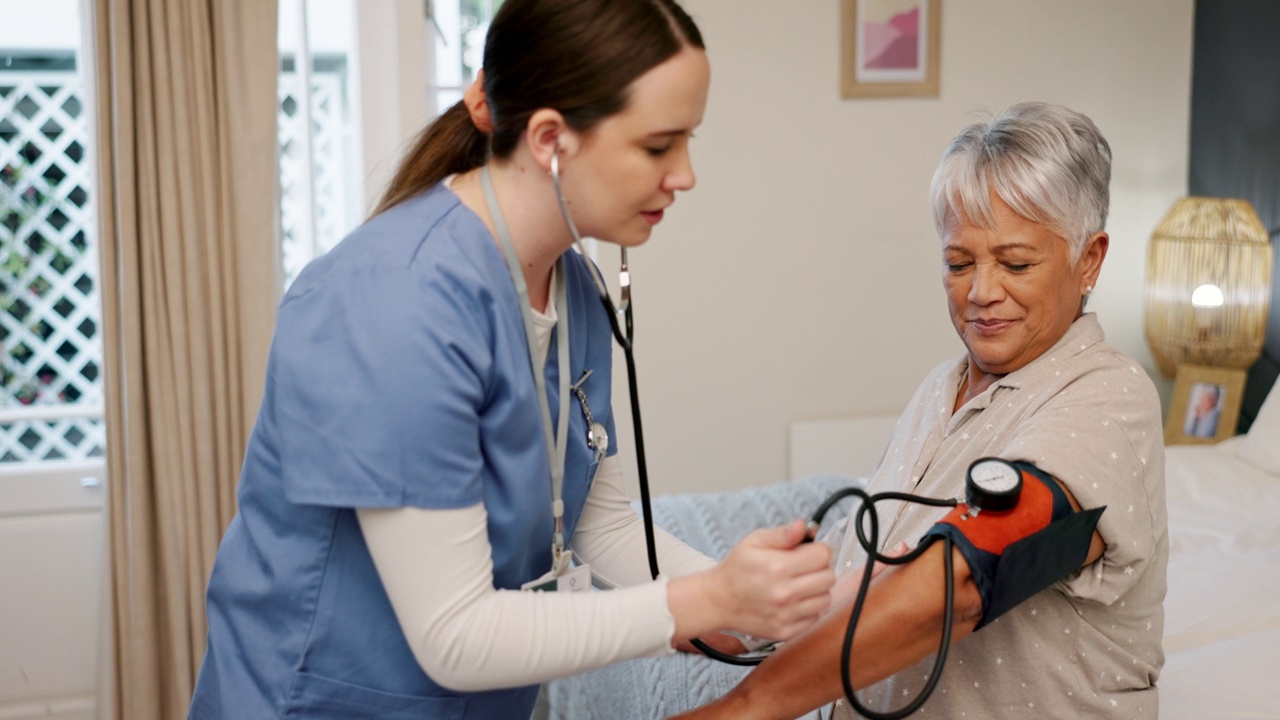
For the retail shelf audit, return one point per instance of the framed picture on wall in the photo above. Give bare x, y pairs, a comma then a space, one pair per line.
889, 48
1205, 406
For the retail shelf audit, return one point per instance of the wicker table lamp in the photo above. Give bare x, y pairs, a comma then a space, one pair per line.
1207, 294
1208, 285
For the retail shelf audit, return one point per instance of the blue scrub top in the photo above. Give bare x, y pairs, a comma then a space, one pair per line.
398, 376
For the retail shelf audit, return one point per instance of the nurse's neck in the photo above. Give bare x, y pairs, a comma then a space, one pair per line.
528, 204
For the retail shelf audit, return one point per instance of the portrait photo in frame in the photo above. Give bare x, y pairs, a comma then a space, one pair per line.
1205, 405
889, 48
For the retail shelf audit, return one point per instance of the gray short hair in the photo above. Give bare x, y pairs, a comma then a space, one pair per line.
1050, 164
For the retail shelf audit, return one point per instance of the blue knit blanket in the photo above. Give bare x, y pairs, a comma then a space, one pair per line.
654, 688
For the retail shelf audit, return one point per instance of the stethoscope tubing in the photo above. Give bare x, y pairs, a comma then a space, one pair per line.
626, 340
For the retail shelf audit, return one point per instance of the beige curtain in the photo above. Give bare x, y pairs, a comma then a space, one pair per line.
185, 112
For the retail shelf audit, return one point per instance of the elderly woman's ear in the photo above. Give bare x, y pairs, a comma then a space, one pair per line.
1090, 263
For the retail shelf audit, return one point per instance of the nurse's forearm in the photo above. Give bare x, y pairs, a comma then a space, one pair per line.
901, 623
610, 536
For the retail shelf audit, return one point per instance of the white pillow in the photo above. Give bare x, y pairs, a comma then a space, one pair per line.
1261, 446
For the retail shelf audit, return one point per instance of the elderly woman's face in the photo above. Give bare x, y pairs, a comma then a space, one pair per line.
1012, 291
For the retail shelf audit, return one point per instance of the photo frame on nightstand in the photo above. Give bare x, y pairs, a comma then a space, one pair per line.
1205, 406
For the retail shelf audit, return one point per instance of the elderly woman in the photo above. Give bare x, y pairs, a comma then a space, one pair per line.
1020, 204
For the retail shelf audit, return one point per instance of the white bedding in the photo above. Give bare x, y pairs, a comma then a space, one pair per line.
1222, 613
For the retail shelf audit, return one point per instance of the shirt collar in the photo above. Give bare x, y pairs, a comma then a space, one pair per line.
1084, 333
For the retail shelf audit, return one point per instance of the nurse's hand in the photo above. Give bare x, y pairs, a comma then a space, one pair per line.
770, 585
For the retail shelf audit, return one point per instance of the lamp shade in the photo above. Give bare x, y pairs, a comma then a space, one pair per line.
1208, 285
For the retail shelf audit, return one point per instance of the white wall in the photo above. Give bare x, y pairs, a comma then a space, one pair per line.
801, 279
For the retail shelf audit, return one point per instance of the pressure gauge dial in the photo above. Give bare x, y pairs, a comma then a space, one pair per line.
992, 485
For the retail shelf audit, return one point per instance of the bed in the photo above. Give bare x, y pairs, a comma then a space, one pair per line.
1222, 624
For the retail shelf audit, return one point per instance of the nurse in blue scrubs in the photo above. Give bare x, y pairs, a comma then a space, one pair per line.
431, 474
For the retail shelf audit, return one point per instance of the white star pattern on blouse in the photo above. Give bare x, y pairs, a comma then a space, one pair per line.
1129, 411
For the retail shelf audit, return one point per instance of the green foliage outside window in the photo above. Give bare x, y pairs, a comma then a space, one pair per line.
25, 201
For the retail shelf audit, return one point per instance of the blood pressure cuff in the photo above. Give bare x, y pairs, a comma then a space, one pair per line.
1015, 554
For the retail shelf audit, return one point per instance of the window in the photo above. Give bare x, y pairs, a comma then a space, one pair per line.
319, 187
458, 28
326, 174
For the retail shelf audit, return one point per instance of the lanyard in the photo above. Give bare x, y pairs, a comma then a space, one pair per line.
555, 443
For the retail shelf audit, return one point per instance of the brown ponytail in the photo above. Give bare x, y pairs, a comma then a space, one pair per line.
451, 144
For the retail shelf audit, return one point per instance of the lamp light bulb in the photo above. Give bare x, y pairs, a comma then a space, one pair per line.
1207, 296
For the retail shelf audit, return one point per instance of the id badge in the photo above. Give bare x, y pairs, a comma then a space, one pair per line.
565, 577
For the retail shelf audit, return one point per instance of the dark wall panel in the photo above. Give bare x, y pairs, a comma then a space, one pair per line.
1235, 136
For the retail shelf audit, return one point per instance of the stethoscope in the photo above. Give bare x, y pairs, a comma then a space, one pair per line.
624, 334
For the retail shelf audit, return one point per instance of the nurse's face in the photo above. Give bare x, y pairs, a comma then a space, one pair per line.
1012, 290
628, 168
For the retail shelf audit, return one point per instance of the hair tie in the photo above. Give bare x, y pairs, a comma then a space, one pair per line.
478, 105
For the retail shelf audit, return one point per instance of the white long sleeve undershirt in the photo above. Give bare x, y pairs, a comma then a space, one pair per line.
437, 568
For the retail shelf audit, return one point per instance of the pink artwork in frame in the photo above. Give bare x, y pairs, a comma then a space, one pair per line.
889, 48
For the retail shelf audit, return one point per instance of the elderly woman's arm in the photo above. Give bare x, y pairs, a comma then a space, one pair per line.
901, 624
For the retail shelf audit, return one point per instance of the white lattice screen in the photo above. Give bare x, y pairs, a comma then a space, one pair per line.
330, 141
50, 349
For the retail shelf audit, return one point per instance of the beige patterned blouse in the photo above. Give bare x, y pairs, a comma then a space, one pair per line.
1089, 646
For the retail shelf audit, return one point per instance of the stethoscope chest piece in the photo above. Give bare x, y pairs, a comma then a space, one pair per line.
597, 436
598, 440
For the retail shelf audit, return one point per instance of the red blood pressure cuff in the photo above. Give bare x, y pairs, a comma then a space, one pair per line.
1015, 554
